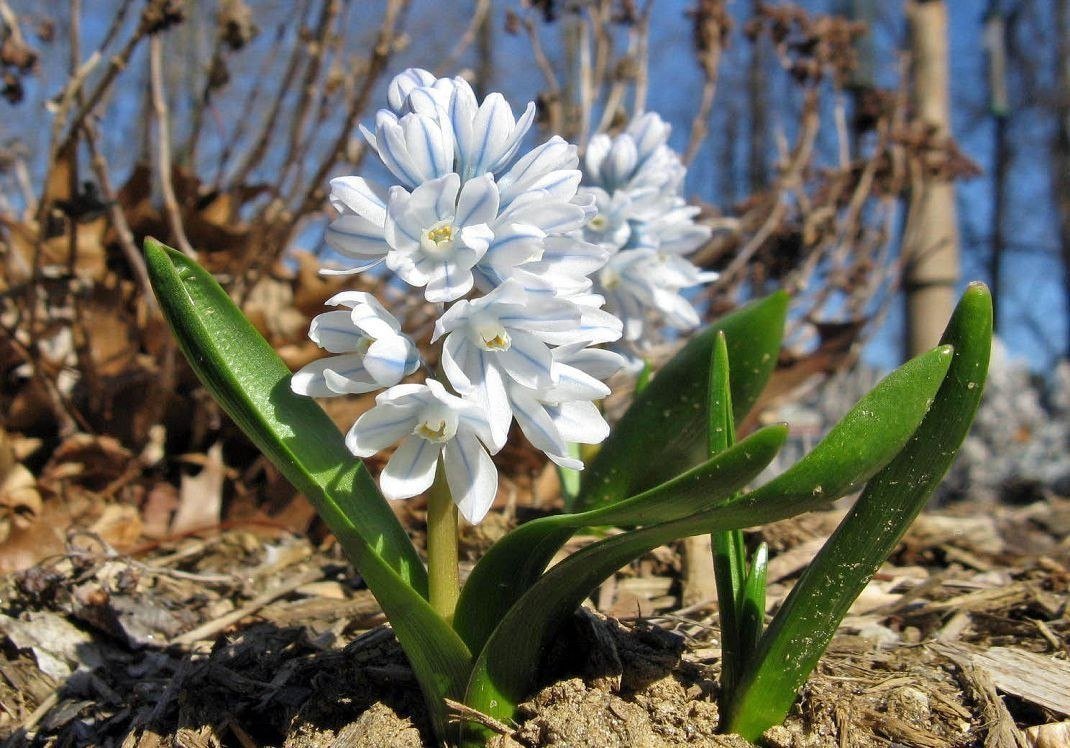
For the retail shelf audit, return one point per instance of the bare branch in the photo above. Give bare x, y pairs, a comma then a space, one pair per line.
163, 147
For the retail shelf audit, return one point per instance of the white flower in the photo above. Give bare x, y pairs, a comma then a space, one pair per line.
438, 125
397, 94
610, 224
642, 283
634, 180
430, 423
637, 158
372, 352
671, 229
470, 213
564, 413
439, 232
357, 232
550, 168
501, 338
487, 136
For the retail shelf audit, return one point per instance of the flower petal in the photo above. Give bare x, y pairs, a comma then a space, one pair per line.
580, 421
527, 361
354, 236
471, 475
403, 83
358, 196
411, 469
389, 359
478, 201
380, 427
448, 282
311, 379
540, 430
335, 332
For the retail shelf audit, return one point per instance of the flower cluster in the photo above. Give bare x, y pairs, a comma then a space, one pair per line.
495, 239
634, 180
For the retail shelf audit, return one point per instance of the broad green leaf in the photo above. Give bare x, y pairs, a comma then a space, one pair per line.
798, 635
506, 667
250, 381
664, 431
513, 564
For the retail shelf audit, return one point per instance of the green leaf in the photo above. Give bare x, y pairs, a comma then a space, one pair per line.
664, 431
752, 605
250, 381
513, 564
506, 667
804, 625
729, 551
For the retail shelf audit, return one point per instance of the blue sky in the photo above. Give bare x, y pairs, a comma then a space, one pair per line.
1034, 320
1033, 315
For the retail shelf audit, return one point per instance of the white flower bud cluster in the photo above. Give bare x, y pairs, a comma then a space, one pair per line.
635, 181
495, 239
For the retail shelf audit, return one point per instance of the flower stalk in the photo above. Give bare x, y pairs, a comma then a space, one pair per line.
443, 579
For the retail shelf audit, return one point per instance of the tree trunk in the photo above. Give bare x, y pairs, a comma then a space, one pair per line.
930, 240
1060, 161
757, 83
996, 31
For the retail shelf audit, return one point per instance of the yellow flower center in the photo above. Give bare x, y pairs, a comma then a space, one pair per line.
434, 431
439, 239
441, 234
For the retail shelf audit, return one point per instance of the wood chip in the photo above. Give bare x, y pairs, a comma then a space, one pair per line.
1040, 680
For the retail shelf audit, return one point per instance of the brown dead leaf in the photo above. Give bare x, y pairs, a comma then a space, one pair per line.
270, 307
119, 525
93, 462
20, 501
158, 509
201, 496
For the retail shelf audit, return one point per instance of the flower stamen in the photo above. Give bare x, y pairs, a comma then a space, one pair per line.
438, 239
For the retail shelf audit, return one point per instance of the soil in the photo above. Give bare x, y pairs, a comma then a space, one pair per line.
253, 636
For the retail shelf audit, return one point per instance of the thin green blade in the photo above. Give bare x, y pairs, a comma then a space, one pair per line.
752, 604
804, 625
664, 431
243, 372
729, 551
513, 564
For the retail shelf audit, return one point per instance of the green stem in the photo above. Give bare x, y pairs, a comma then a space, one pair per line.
443, 579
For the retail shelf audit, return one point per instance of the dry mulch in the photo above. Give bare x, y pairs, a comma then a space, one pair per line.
256, 637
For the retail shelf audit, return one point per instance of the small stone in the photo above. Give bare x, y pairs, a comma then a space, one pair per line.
909, 704
778, 737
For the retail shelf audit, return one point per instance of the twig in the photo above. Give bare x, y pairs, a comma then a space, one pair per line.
259, 148
116, 214
467, 38
163, 147
587, 83
464, 712
117, 64
790, 178
314, 192
709, 31
211, 628
68, 418
299, 119
642, 60
12, 22
553, 85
